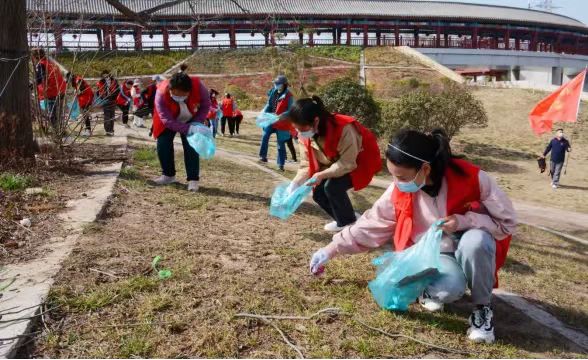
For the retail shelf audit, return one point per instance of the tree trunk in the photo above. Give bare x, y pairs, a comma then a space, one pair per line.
16, 130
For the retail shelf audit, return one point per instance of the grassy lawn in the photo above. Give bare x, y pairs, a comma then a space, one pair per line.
345, 53
228, 256
508, 149
91, 64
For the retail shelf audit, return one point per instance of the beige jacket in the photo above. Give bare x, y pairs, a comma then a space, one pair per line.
348, 149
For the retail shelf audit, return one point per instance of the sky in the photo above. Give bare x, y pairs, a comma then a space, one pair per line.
577, 9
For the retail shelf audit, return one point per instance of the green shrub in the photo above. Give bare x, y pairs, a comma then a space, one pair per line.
347, 97
451, 109
13, 182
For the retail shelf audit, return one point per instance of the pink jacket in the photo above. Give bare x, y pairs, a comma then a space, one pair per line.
376, 227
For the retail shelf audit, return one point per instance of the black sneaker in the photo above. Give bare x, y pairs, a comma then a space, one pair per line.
282, 168
481, 325
263, 160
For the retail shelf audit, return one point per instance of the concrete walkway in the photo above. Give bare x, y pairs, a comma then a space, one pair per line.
21, 302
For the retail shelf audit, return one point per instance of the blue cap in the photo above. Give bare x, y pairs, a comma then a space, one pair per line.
281, 80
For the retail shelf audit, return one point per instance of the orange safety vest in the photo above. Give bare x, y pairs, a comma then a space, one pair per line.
463, 195
368, 159
227, 107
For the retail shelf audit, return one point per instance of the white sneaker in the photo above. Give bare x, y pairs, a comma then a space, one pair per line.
165, 180
193, 185
332, 227
553, 186
481, 325
86, 133
429, 304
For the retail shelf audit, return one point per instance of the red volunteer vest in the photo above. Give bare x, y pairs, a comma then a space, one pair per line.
463, 195
54, 84
368, 159
103, 92
85, 94
227, 107
193, 102
281, 108
121, 99
213, 109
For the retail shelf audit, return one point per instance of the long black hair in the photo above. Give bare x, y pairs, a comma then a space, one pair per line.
433, 148
305, 110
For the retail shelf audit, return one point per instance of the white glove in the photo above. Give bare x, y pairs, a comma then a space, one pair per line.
292, 187
199, 129
318, 260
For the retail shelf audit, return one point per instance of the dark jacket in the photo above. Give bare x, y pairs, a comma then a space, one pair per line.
558, 149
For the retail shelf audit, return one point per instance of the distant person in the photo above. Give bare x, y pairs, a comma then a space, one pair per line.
179, 103
228, 107
429, 185
85, 97
108, 90
238, 115
124, 101
51, 85
148, 99
137, 103
213, 113
279, 102
558, 146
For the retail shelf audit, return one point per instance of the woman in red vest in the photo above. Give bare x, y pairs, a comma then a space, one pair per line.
228, 107
430, 184
179, 102
124, 101
51, 86
338, 153
85, 97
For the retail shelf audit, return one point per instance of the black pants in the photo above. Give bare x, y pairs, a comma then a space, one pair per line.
331, 196
290, 144
125, 113
108, 110
224, 123
238, 120
165, 152
87, 117
232, 124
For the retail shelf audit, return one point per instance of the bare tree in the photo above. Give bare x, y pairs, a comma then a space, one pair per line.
16, 131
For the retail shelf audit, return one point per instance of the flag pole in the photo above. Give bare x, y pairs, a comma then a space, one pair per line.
577, 114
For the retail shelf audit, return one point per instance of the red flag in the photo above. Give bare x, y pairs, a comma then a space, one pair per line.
560, 106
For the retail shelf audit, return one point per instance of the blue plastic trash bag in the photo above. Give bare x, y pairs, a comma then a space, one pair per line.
265, 119
43, 104
202, 141
98, 102
284, 203
74, 110
403, 276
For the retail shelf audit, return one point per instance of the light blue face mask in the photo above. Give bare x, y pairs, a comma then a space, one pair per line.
278, 87
306, 134
410, 186
179, 98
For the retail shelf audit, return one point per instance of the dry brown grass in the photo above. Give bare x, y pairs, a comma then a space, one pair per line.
228, 256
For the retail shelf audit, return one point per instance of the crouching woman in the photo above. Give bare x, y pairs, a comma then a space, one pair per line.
430, 184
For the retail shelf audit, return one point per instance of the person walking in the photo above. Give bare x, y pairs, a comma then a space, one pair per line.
124, 101
137, 103
180, 102
228, 107
558, 146
212, 116
51, 87
279, 102
338, 153
107, 92
430, 184
85, 97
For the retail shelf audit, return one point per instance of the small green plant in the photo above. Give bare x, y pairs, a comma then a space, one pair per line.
347, 96
145, 156
130, 173
14, 182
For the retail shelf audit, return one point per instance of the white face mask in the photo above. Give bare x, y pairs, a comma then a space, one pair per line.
179, 98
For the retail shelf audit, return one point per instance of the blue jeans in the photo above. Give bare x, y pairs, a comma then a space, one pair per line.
283, 137
214, 124
165, 152
472, 265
